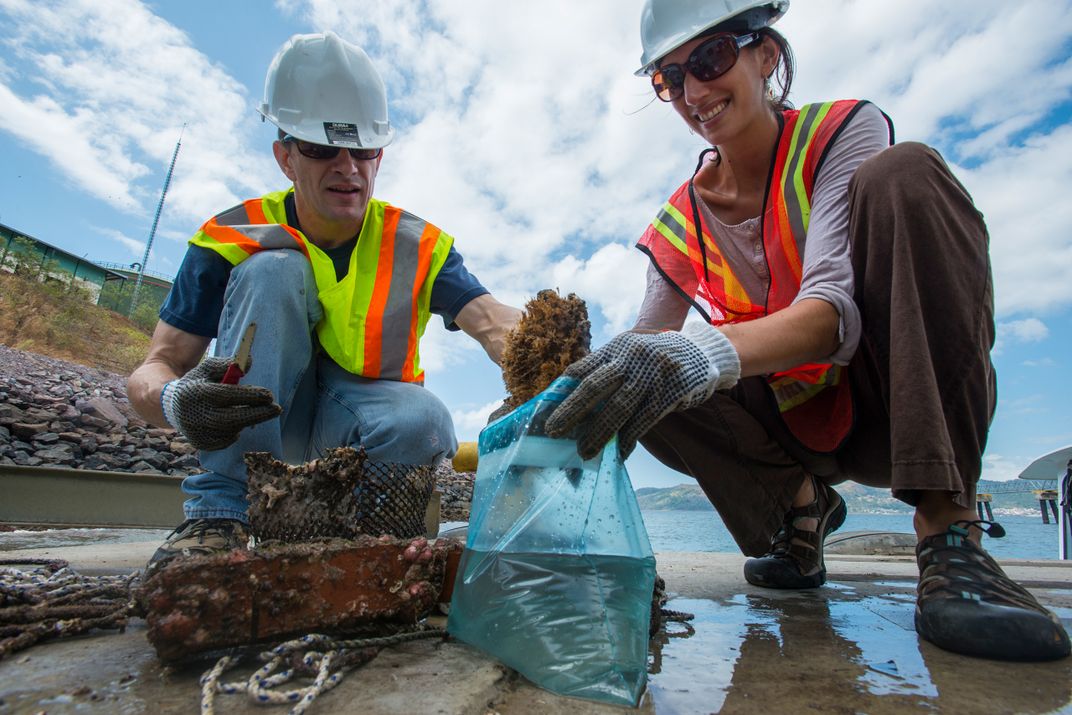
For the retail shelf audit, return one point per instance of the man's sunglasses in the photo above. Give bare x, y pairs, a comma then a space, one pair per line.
321, 151
710, 60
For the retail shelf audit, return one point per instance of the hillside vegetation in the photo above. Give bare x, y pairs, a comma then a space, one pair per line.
858, 498
58, 320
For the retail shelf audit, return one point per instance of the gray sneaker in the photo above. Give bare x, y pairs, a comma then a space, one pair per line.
195, 537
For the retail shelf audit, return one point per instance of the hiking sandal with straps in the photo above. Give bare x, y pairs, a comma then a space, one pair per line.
966, 604
796, 556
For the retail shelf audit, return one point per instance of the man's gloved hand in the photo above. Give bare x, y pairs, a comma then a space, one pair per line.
209, 414
636, 379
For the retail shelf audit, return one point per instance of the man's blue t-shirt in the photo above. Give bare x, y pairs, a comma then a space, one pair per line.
195, 302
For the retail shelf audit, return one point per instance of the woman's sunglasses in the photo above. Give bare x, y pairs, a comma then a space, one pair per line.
710, 59
321, 151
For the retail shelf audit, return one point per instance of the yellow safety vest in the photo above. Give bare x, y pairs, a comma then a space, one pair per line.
375, 316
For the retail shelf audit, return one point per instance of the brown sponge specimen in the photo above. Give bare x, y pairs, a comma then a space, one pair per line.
553, 333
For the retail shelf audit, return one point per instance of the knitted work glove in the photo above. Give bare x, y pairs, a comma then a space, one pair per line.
636, 379
209, 414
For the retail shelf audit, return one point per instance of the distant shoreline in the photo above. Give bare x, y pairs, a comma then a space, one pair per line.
1015, 511
858, 498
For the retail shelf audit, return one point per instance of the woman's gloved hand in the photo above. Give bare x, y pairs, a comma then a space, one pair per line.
636, 379
210, 414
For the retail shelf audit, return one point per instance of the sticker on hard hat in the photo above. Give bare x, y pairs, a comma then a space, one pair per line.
342, 134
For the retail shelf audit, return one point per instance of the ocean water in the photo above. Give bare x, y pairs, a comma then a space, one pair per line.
1026, 536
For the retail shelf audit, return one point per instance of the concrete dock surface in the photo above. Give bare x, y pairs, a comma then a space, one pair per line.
848, 647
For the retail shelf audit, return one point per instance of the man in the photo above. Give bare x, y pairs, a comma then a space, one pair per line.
322, 256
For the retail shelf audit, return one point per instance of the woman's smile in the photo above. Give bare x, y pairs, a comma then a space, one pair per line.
708, 114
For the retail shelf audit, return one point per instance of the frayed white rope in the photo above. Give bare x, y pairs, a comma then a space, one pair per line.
321, 653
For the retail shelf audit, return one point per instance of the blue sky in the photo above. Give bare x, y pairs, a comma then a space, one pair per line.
523, 133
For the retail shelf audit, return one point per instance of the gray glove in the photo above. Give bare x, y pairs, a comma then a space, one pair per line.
636, 379
209, 414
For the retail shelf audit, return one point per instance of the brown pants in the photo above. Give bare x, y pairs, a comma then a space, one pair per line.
922, 382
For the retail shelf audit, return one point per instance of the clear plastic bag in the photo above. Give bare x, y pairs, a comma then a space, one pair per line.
557, 575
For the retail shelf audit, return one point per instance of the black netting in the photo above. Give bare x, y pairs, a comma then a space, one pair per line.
393, 499
339, 495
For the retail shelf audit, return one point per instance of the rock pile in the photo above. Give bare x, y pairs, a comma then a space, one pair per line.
56, 413
455, 492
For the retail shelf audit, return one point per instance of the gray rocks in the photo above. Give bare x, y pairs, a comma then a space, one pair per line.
455, 492
56, 413
102, 409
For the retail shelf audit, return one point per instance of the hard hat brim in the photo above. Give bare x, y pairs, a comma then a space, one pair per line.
757, 21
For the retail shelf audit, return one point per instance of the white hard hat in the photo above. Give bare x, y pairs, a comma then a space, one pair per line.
666, 25
324, 90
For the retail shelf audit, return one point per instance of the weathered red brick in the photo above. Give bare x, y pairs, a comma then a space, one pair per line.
247, 596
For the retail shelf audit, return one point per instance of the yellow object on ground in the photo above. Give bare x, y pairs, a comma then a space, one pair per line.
465, 458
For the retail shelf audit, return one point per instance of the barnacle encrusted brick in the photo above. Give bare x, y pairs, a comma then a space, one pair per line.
203, 603
553, 333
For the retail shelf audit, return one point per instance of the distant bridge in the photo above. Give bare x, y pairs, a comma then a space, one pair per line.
1044, 489
1022, 485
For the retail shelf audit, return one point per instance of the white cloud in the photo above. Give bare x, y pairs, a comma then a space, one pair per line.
1022, 191
534, 144
105, 89
526, 142
938, 68
134, 247
470, 422
1029, 330
610, 280
1001, 469
441, 350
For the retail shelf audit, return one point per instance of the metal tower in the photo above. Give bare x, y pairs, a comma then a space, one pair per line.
152, 231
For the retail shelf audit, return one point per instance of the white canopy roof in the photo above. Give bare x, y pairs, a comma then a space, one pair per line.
1048, 466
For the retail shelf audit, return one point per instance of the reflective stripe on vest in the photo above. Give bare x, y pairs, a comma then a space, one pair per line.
819, 417
375, 316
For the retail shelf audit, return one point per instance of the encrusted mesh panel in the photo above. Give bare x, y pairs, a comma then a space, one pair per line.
393, 498
339, 495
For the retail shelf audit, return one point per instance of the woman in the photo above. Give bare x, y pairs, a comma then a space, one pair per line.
847, 308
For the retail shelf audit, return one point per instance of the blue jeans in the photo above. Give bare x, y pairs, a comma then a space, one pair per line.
324, 406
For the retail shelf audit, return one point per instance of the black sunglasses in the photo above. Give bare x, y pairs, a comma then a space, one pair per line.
321, 151
710, 59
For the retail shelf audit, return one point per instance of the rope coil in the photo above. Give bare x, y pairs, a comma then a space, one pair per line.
50, 600
321, 657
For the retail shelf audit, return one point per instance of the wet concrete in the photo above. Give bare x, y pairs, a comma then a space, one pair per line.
848, 647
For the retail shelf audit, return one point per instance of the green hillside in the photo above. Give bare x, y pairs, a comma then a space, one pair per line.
60, 321
858, 498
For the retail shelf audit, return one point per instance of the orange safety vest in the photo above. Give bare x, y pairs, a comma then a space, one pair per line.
814, 398
375, 316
